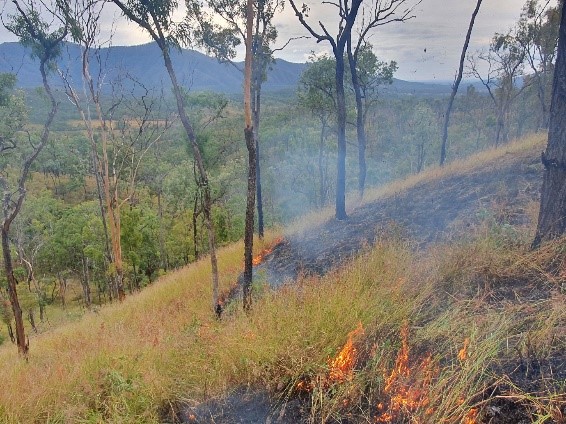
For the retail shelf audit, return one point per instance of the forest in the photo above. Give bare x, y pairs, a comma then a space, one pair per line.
112, 184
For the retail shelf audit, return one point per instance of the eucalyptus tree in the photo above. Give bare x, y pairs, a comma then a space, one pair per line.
537, 32
347, 12
350, 39
219, 40
156, 18
456, 84
119, 139
316, 94
552, 215
505, 62
45, 40
250, 144
368, 74
373, 15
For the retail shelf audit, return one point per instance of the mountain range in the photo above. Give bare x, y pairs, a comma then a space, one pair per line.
196, 71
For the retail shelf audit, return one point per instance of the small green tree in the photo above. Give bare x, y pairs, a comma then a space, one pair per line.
316, 94
45, 43
505, 63
367, 74
537, 32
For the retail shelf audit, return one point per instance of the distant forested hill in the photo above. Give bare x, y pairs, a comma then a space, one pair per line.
195, 70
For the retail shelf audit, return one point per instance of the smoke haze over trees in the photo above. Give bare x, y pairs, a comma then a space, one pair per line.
171, 188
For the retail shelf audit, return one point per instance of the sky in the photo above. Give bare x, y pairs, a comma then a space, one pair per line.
426, 48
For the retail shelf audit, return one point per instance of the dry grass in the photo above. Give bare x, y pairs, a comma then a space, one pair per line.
495, 157
128, 361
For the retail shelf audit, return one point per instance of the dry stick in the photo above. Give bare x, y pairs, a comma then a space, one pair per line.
456, 85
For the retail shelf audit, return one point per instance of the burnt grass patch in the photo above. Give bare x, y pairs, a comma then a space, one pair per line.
432, 211
525, 385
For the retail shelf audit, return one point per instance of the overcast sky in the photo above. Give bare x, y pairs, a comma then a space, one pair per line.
439, 27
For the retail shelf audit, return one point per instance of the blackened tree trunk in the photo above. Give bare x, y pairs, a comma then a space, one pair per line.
250, 145
321, 163
256, 110
360, 128
552, 215
456, 85
341, 121
21, 342
249, 224
85, 281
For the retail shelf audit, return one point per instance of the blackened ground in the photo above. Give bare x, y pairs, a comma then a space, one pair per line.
243, 406
433, 210
430, 211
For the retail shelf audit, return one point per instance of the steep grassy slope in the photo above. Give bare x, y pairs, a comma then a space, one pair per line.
471, 329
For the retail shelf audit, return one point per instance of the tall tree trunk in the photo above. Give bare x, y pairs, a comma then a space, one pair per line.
86, 282
100, 196
341, 117
456, 85
552, 215
541, 94
256, 111
162, 249
499, 128
360, 124
259, 194
322, 186
195, 228
250, 145
23, 347
203, 177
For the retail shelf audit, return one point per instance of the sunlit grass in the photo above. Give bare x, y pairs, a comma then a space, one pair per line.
127, 362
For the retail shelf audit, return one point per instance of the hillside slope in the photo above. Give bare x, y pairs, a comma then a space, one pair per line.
471, 329
435, 207
195, 70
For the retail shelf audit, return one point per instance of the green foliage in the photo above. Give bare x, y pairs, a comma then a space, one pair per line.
139, 243
122, 393
317, 90
13, 116
7, 84
36, 33
373, 73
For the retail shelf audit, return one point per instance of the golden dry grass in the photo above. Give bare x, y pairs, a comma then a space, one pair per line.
128, 361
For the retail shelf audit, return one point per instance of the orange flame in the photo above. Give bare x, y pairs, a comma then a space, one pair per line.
406, 395
341, 367
463, 353
471, 417
259, 258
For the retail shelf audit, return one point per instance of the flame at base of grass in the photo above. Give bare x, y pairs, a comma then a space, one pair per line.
471, 417
342, 367
407, 389
261, 256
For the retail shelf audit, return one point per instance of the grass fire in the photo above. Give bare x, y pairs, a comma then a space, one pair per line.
466, 330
